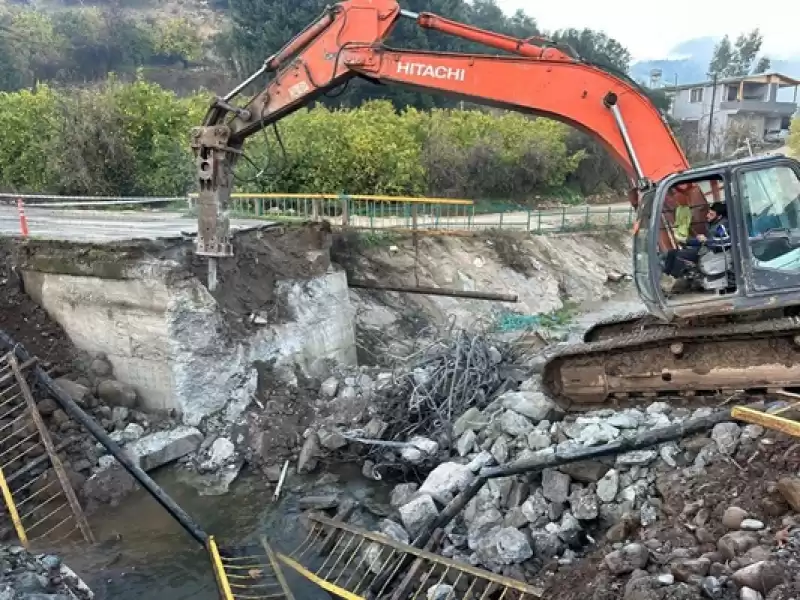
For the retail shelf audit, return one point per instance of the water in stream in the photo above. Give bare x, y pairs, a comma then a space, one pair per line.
144, 554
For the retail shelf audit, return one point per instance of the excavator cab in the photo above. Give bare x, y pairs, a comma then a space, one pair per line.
755, 266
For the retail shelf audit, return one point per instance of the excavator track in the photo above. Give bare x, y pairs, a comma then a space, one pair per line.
617, 325
671, 360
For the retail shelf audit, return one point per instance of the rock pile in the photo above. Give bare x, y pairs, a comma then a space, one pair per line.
24, 576
525, 525
515, 519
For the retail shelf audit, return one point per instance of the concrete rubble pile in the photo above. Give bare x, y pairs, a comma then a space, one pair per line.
25, 576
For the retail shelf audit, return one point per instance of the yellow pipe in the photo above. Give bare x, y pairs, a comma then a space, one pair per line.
767, 420
12, 510
219, 570
325, 585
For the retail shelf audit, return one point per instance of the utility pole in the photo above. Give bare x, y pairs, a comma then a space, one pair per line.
711, 115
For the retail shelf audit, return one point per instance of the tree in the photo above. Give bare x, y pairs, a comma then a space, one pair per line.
661, 100
595, 47
764, 65
737, 60
722, 57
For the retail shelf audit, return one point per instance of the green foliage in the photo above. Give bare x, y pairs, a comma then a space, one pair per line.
127, 139
482, 155
736, 60
177, 39
794, 137
376, 150
764, 65
595, 47
132, 139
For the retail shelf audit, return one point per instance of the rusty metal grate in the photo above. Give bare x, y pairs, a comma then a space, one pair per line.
353, 563
37, 493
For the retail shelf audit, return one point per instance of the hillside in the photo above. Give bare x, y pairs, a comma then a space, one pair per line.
207, 16
688, 63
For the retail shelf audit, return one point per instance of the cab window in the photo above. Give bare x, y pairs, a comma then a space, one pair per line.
771, 209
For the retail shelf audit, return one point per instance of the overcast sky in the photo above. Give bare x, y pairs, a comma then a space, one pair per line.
671, 22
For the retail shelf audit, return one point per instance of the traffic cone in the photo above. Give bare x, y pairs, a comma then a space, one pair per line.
23, 220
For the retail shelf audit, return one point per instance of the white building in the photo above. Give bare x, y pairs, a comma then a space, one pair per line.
752, 106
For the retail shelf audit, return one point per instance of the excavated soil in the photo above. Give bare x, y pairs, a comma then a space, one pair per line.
246, 283
747, 480
26, 322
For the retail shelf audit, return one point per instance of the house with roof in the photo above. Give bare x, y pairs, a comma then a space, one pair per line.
760, 106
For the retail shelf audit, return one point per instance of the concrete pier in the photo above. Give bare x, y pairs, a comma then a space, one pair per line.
145, 306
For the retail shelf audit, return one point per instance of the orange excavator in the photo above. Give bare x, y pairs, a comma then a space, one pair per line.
738, 325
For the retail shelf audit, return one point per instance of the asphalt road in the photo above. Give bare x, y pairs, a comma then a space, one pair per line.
98, 227
109, 226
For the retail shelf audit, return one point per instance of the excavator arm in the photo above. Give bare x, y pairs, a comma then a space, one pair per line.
346, 42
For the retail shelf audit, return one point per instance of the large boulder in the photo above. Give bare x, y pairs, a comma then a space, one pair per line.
555, 485
116, 393
79, 393
418, 514
446, 480
515, 424
533, 405
762, 576
164, 447
627, 559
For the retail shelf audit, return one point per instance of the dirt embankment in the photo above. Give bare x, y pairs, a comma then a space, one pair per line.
549, 274
27, 322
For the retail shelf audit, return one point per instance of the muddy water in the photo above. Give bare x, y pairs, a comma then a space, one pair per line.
144, 554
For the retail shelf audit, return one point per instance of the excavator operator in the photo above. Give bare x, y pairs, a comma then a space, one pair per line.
678, 261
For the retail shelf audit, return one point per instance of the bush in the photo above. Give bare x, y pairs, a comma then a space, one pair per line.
132, 139
117, 139
480, 154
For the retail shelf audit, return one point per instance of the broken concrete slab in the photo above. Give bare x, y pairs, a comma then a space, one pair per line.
164, 447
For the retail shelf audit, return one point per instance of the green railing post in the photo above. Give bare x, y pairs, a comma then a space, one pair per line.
630, 216
539, 221
563, 218
528, 226
586, 224
608, 221
502, 212
345, 202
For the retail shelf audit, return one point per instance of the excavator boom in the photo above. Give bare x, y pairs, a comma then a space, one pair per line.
741, 332
347, 42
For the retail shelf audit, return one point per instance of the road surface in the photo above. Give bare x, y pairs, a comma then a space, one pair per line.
109, 226
104, 226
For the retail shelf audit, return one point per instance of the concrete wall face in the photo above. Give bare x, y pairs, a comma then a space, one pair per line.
122, 318
166, 338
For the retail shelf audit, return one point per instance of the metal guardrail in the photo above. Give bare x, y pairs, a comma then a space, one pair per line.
374, 213
431, 214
